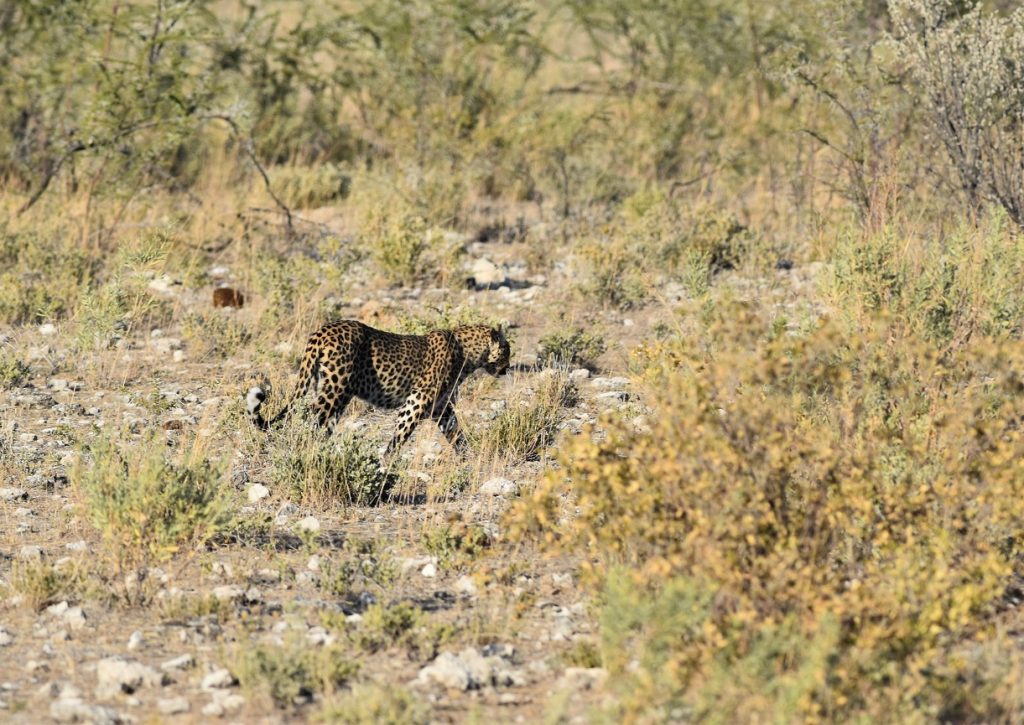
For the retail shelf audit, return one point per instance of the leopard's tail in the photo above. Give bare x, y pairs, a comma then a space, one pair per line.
309, 373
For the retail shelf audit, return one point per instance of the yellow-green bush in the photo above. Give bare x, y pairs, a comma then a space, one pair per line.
841, 513
147, 504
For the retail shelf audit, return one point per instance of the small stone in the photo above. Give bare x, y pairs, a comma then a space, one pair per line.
47, 328
13, 494
181, 662
80, 545
74, 618
257, 492
218, 680
73, 709
228, 592
268, 576
314, 563
6, 638
429, 571
310, 524
579, 375
447, 670
583, 678
499, 487
173, 706
465, 585
57, 609
135, 640
610, 383
116, 675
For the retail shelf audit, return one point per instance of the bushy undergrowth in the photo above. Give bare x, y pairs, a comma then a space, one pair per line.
371, 703
821, 526
322, 470
294, 672
526, 427
575, 347
146, 503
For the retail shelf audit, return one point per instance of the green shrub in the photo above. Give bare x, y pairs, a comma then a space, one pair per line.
304, 187
454, 543
292, 672
573, 348
13, 370
835, 519
147, 505
396, 625
319, 469
41, 583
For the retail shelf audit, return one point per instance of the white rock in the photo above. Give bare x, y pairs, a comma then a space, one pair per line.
6, 637
429, 571
80, 545
447, 670
135, 640
218, 680
74, 618
610, 383
579, 375
173, 706
73, 709
181, 662
314, 563
257, 492
310, 523
465, 585
499, 487
116, 675
228, 592
47, 328
486, 273
583, 678
13, 494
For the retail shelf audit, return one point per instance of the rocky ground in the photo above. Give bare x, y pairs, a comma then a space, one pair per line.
497, 633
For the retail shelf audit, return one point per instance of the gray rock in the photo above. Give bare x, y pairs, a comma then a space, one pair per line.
173, 706
449, 671
499, 487
13, 494
182, 662
6, 638
579, 375
310, 524
116, 675
218, 680
610, 383
74, 709
228, 592
135, 640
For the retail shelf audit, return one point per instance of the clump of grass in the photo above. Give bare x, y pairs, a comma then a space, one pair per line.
527, 426
293, 673
367, 563
583, 653
454, 543
372, 703
401, 625
452, 482
147, 505
445, 318
322, 470
571, 348
217, 333
41, 583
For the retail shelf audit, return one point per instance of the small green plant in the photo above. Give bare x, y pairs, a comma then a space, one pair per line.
572, 348
321, 470
455, 542
303, 187
525, 427
41, 583
294, 672
366, 563
146, 505
395, 625
584, 653
452, 482
13, 370
372, 703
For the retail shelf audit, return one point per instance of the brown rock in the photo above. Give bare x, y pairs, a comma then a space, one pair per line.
227, 297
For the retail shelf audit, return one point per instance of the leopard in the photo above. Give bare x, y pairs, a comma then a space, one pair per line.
419, 375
